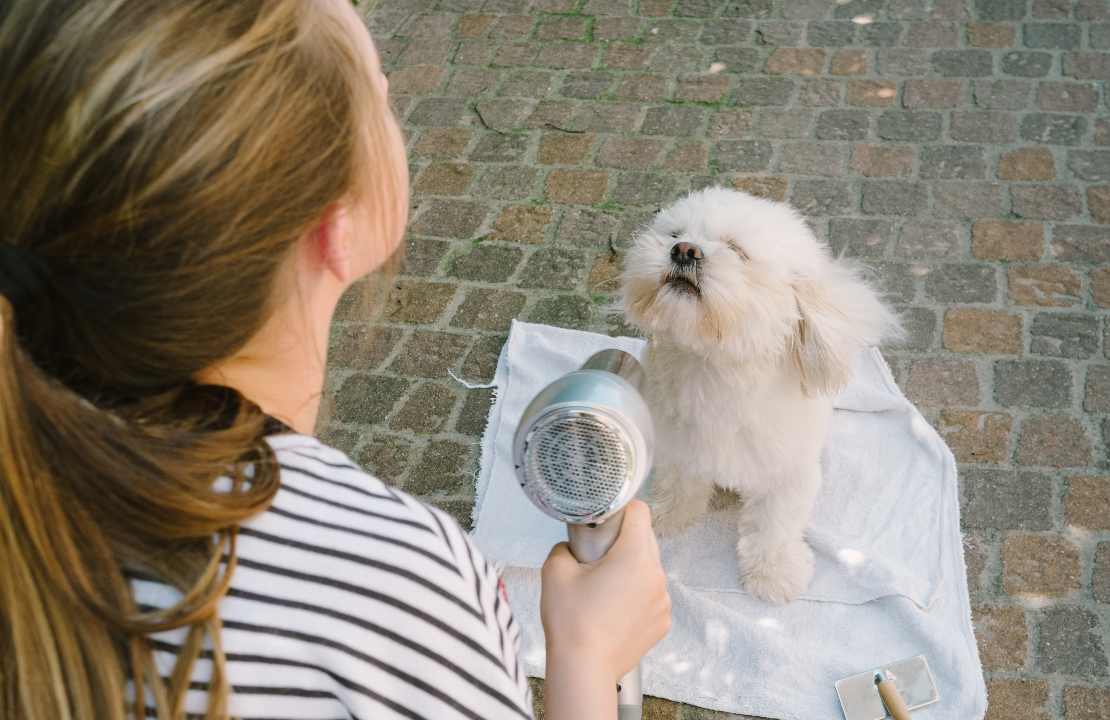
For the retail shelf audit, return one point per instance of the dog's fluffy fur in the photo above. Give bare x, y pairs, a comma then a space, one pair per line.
746, 352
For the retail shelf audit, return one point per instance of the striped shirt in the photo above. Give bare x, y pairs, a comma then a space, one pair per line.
353, 600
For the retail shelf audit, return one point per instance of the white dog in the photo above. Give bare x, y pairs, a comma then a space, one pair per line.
753, 328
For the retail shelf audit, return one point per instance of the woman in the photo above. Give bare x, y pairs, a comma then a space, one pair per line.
188, 188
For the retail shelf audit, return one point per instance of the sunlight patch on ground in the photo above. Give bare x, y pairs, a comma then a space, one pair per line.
535, 655
716, 635
1077, 534
1034, 601
769, 623
849, 556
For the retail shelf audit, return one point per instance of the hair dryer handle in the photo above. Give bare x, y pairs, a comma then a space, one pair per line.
589, 544
630, 696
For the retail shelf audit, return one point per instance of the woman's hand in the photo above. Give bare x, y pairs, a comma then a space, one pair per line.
603, 616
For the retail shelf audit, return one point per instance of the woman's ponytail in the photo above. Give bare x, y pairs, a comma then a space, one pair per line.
82, 495
47, 626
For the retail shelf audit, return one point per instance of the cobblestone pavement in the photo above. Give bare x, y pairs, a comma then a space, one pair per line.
961, 147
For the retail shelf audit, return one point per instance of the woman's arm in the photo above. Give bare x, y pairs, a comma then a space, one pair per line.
600, 618
576, 688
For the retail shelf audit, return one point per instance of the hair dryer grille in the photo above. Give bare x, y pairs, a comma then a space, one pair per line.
578, 463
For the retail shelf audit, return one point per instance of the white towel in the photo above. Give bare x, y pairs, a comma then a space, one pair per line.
890, 579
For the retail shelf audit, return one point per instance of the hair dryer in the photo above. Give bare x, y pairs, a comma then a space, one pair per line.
582, 451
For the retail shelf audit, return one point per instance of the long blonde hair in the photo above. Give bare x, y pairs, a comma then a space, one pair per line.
160, 161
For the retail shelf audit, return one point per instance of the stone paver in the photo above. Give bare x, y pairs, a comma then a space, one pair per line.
959, 147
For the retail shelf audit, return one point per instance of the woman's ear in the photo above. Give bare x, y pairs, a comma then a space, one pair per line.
331, 243
839, 315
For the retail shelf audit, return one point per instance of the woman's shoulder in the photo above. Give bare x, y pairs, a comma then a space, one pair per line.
334, 534
322, 490
334, 525
347, 582
307, 456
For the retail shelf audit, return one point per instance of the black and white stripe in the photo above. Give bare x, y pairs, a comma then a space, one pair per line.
353, 600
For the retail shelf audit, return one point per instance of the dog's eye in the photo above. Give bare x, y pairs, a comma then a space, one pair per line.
675, 233
735, 247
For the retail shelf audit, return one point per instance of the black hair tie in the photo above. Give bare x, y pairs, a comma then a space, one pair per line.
23, 274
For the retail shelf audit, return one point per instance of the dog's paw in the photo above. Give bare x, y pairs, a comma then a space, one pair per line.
776, 575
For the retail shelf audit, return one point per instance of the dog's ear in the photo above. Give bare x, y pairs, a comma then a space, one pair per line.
839, 315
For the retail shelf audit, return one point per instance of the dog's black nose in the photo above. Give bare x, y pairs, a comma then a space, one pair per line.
684, 253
